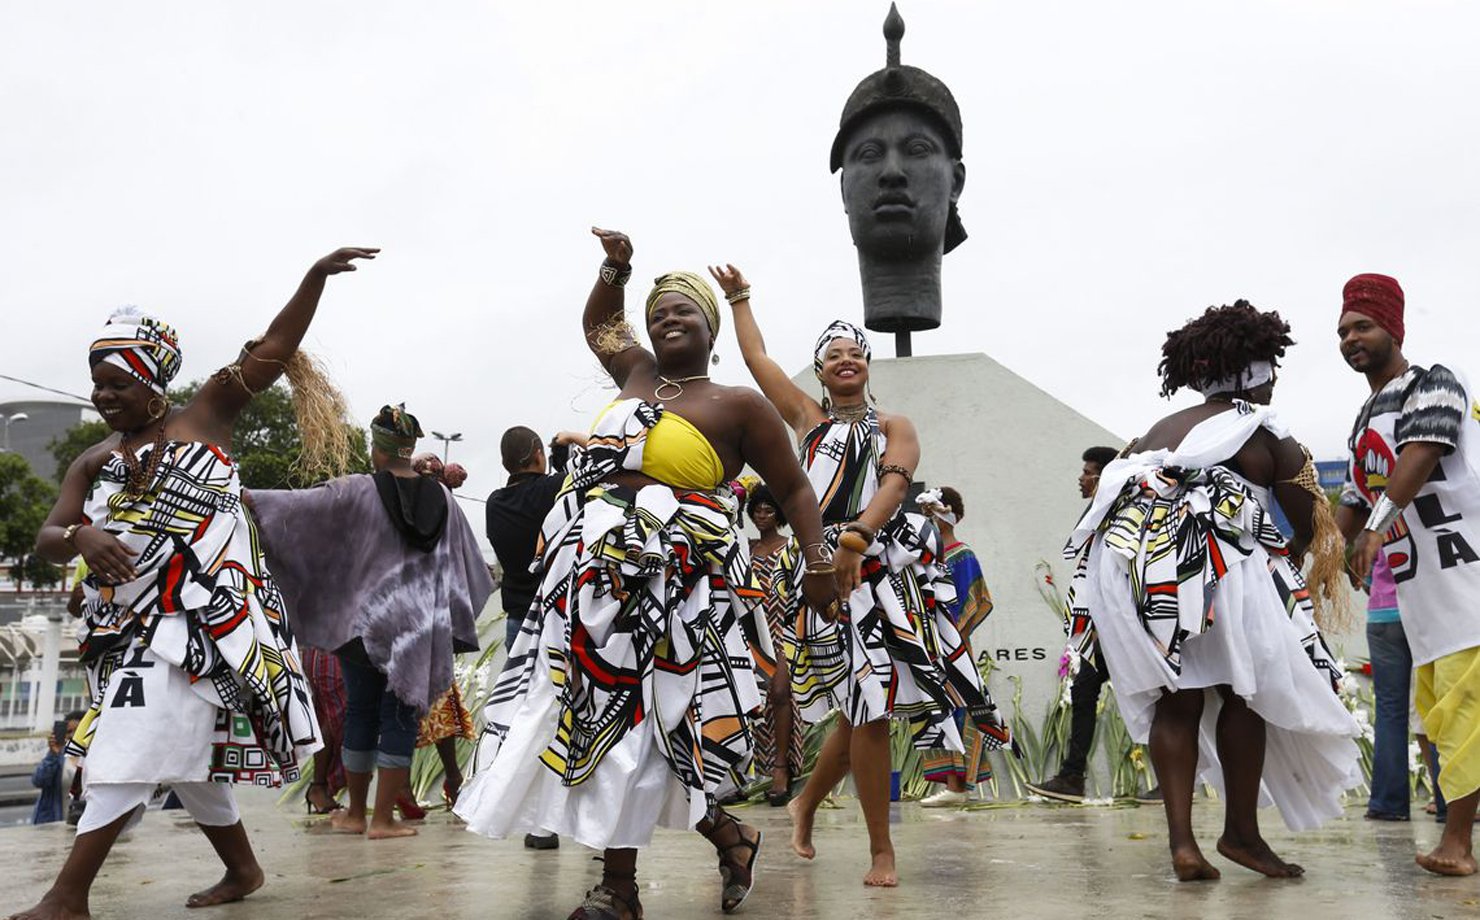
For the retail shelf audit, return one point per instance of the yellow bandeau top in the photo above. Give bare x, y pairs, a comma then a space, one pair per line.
678, 454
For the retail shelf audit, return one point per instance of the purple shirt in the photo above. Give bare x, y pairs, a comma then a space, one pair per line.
1382, 593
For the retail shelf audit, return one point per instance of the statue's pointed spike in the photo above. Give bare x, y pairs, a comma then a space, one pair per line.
893, 32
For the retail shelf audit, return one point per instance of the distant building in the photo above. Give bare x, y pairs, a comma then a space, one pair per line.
24, 621
1332, 475
44, 422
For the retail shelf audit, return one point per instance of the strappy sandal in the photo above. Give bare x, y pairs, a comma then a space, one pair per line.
602, 903
314, 809
733, 892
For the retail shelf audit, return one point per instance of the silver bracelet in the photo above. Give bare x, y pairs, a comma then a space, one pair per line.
1385, 512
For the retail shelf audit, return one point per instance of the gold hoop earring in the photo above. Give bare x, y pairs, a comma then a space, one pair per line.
164, 406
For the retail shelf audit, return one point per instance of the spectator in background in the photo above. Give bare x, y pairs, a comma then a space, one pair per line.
958, 771
514, 515
516, 512
1084, 695
53, 776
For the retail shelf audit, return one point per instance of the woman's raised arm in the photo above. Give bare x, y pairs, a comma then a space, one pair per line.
225, 395
799, 410
608, 334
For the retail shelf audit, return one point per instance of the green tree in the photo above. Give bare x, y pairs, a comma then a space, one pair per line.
37, 572
265, 442
25, 500
74, 441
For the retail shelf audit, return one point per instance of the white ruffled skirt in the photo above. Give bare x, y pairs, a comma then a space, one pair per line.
1256, 648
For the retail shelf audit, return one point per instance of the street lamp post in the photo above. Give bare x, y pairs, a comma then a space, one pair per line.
447, 441
8, 419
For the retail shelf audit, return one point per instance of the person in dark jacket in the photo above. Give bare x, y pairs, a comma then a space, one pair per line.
52, 776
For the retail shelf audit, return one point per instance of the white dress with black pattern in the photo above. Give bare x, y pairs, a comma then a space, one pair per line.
1189, 585
192, 665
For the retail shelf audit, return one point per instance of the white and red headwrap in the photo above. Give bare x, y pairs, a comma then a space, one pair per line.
146, 348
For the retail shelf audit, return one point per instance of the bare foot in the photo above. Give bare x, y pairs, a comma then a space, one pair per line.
801, 829
881, 874
389, 829
53, 908
1191, 866
1255, 854
344, 824
1443, 860
234, 886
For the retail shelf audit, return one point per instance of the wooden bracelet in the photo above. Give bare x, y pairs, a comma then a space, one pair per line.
854, 542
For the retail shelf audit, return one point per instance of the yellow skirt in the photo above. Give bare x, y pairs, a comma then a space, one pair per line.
1448, 700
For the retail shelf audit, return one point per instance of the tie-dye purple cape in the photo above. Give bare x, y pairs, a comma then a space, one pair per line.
346, 573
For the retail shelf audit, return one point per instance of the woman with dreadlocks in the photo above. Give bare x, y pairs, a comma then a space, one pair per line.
894, 652
195, 676
1199, 605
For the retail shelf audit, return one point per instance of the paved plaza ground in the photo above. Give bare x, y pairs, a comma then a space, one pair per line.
1035, 861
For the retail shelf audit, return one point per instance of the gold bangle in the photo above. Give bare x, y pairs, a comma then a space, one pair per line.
69, 535
854, 542
828, 569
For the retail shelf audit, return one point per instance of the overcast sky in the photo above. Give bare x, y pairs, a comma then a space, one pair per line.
1128, 164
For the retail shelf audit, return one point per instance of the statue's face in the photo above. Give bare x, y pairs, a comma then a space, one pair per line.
899, 181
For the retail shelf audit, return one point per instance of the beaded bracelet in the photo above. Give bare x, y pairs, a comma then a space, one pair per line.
895, 468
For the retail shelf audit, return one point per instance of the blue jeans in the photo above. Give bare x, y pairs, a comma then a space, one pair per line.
379, 729
1392, 677
512, 624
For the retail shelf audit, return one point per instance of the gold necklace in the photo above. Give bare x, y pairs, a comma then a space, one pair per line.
676, 384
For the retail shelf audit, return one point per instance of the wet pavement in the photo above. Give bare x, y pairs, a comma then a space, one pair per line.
1036, 861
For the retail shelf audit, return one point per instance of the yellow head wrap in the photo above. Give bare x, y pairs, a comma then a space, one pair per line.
692, 286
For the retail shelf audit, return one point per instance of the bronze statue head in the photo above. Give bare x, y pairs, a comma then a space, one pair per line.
899, 147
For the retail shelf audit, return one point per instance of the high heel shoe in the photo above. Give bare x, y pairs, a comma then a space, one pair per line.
410, 810
450, 793
314, 809
779, 795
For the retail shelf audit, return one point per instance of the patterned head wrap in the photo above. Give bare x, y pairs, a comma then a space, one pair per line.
692, 286
839, 329
395, 431
147, 349
1379, 298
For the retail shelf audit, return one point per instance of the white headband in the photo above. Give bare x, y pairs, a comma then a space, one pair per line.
933, 504
1256, 374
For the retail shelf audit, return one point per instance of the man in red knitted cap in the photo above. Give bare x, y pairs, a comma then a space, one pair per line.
1414, 494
